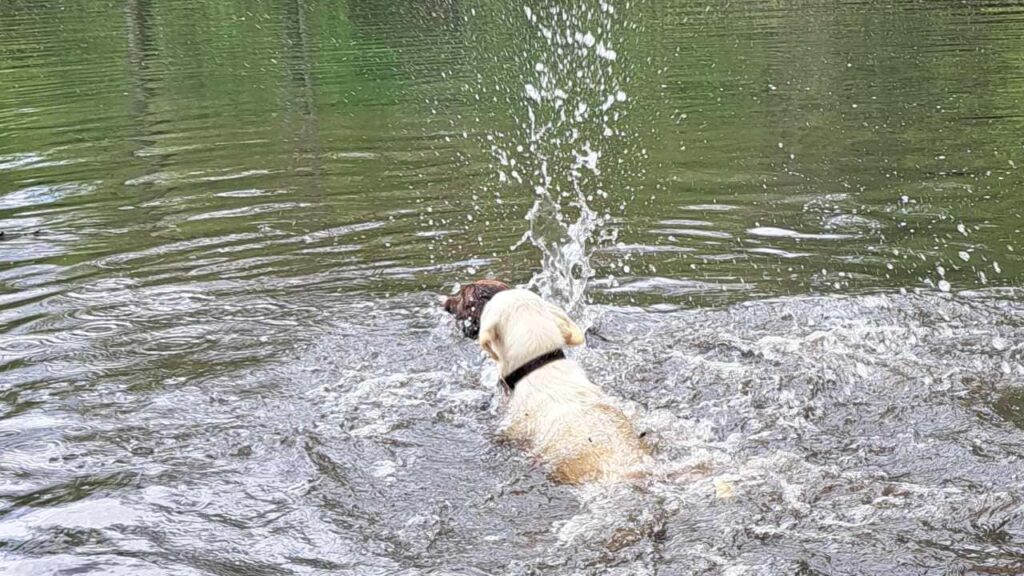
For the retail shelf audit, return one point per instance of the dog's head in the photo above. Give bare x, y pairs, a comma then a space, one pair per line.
518, 325
468, 304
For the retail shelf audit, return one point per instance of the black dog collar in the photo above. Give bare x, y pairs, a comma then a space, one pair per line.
523, 371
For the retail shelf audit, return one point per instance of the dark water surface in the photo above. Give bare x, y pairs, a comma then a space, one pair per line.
225, 225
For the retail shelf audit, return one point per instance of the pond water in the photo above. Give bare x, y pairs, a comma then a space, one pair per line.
795, 229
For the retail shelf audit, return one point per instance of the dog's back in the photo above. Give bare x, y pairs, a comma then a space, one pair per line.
564, 418
570, 424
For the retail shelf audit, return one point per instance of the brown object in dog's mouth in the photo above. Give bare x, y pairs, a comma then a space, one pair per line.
468, 304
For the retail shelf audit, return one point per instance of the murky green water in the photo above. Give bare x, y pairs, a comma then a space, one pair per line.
224, 223
768, 149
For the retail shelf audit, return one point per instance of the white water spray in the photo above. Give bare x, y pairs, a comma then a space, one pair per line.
574, 99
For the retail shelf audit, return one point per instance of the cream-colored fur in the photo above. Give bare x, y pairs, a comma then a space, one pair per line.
565, 419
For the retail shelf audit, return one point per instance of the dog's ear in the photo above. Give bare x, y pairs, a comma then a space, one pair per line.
489, 337
571, 333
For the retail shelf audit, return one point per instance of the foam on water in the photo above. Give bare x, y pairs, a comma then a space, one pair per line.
871, 434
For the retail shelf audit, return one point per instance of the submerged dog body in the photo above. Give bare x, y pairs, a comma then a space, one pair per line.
564, 418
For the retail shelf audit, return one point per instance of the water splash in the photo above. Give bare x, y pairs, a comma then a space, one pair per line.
573, 103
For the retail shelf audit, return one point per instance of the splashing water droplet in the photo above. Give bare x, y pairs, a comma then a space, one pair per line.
532, 93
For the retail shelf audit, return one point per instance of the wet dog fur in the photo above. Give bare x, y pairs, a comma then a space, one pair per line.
468, 304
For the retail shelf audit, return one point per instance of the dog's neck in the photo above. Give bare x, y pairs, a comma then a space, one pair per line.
512, 378
524, 341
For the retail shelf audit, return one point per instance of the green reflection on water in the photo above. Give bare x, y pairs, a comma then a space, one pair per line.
767, 148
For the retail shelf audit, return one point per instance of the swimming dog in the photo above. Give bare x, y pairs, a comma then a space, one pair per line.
468, 303
564, 419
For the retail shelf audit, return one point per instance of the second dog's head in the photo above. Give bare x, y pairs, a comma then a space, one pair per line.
468, 304
517, 326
